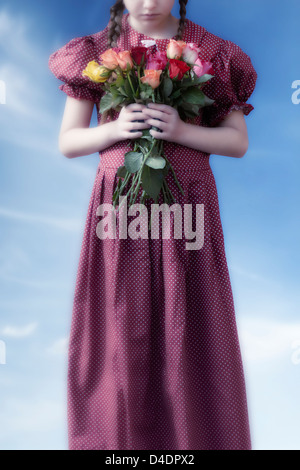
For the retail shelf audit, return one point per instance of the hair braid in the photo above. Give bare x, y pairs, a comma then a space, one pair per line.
182, 20
115, 27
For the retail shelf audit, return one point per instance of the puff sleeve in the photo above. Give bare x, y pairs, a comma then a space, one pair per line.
67, 64
232, 85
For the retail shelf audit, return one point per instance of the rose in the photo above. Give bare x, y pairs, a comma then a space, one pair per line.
177, 68
202, 67
110, 59
139, 54
152, 78
97, 73
124, 59
190, 53
175, 48
157, 61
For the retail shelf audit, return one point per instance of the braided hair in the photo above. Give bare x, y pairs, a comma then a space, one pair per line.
182, 20
116, 14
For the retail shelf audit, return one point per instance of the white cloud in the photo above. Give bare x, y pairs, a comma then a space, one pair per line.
267, 340
23, 416
59, 347
14, 32
19, 331
71, 224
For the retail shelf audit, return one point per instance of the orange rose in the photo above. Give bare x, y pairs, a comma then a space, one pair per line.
175, 49
152, 78
124, 59
110, 59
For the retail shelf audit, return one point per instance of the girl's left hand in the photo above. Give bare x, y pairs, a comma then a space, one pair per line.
170, 123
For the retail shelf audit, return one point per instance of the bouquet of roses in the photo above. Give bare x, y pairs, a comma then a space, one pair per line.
144, 75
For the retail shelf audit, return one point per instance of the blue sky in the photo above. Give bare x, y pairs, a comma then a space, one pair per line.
44, 199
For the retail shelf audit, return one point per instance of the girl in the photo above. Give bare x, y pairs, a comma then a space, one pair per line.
154, 355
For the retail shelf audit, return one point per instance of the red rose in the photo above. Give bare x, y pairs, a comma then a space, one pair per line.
137, 53
177, 68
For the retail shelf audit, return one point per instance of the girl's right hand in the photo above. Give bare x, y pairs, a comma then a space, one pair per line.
126, 125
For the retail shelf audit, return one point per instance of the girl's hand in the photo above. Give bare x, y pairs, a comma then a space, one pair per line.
166, 119
126, 125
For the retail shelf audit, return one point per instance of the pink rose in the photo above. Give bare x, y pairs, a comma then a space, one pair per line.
175, 48
190, 53
157, 61
202, 67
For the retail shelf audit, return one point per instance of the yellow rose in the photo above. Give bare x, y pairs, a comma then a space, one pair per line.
175, 49
124, 59
152, 78
95, 72
110, 59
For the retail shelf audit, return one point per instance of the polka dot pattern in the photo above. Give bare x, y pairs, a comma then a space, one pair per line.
154, 355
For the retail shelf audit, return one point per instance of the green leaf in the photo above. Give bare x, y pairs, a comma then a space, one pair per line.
194, 96
186, 82
122, 91
121, 172
128, 89
106, 102
191, 110
175, 95
167, 87
156, 162
119, 81
208, 101
166, 169
146, 93
204, 78
118, 100
152, 181
133, 161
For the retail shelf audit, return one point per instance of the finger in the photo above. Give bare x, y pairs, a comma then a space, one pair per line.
161, 107
156, 114
137, 115
133, 135
156, 134
135, 107
139, 125
160, 124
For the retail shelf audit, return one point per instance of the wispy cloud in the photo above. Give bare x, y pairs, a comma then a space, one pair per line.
59, 347
267, 340
71, 224
19, 418
19, 331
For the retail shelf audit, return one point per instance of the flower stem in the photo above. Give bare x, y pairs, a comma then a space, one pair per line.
130, 83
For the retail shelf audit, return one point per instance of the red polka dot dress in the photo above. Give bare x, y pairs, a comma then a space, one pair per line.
154, 355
